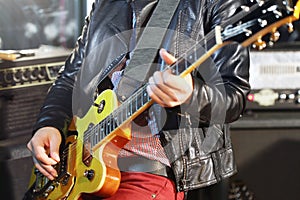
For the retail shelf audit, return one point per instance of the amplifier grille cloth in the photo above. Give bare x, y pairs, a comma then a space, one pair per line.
19, 109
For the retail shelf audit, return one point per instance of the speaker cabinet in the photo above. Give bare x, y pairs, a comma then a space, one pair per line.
24, 84
268, 159
15, 168
19, 109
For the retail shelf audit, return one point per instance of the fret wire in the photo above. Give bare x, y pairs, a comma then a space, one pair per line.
98, 133
147, 98
105, 127
136, 102
142, 98
136, 99
94, 138
102, 130
123, 113
116, 120
109, 124
116, 124
113, 122
129, 109
133, 107
144, 92
119, 117
141, 94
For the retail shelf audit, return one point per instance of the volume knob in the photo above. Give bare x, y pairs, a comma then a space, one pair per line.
89, 174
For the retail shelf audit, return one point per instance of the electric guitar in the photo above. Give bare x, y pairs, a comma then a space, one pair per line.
89, 160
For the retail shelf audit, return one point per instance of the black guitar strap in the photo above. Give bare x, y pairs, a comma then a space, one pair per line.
139, 68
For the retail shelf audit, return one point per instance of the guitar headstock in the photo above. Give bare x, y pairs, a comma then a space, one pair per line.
257, 23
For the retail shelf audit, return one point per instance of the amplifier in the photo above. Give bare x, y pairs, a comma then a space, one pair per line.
23, 86
275, 80
16, 166
266, 145
41, 68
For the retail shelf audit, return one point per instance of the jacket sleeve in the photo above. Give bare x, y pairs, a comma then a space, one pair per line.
56, 110
220, 89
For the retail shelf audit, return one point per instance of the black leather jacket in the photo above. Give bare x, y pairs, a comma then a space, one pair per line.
200, 150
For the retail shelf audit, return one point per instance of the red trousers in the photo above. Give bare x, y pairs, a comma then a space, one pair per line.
145, 186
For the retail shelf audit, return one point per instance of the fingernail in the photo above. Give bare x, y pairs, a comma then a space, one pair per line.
56, 157
53, 162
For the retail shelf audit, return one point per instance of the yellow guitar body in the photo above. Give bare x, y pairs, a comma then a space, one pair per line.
106, 179
92, 170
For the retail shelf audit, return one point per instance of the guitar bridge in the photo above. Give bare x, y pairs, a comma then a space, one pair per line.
43, 186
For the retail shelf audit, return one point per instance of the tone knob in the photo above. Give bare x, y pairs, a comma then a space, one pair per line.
89, 174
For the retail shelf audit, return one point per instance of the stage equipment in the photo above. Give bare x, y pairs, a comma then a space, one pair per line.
24, 83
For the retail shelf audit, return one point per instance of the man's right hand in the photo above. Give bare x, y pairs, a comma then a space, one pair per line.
44, 146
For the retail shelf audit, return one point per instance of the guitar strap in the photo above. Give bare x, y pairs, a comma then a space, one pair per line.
146, 50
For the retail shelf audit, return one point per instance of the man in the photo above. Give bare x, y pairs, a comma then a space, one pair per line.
186, 133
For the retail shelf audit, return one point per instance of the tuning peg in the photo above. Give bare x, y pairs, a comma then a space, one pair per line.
290, 27
260, 2
262, 22
259, 44
248, 32
245, 8
275, 36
